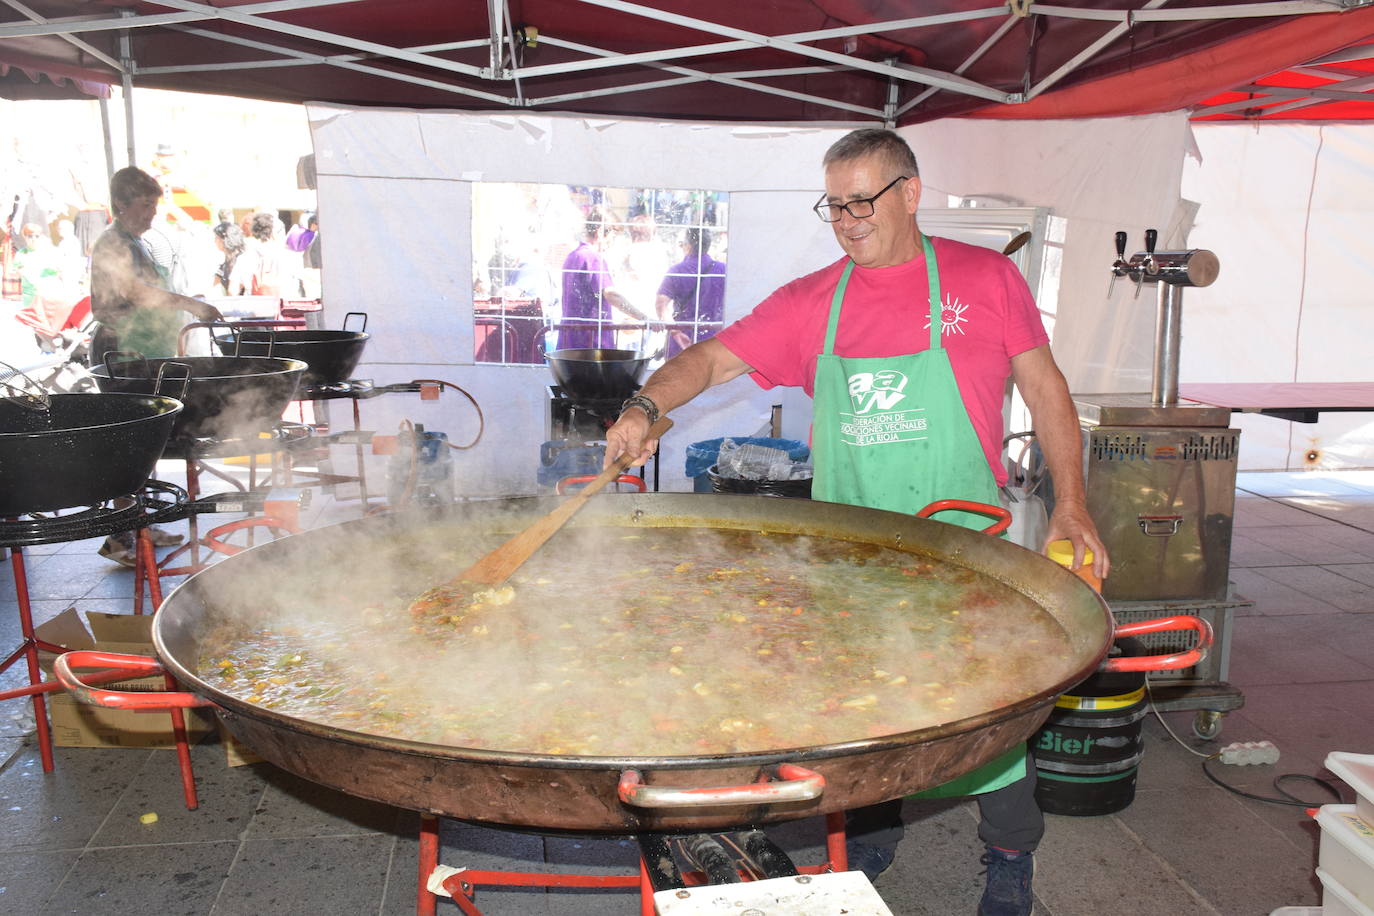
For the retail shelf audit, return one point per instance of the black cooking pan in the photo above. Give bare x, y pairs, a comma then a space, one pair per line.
225, 397
80, 450
331, 355
597, 374
621, 794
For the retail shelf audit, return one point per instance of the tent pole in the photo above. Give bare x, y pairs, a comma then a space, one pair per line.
126, 82
109, 144
496, 27
893, 97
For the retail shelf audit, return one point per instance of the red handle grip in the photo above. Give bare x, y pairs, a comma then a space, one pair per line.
1002, 515
588, 478
1184, 659
119, 666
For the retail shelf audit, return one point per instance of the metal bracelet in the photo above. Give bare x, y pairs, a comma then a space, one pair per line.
643, 403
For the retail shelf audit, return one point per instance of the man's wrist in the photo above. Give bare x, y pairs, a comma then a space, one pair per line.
645, 404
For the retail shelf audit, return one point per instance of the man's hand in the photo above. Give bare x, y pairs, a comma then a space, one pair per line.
207, 312
675, 383
1071, 521
627, 436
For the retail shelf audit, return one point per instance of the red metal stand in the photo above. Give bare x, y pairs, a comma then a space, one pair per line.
145, 570
28, 650
120, 666
462, 887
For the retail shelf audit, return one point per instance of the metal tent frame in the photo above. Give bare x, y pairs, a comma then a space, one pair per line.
835, 61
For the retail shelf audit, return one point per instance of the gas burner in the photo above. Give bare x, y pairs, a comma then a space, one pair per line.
156, 502
353, 388
580, 419
282, 436
606, 408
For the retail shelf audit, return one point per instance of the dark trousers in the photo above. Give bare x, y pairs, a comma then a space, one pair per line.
1010, 818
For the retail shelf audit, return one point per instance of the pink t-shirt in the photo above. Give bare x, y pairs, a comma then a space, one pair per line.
988, 317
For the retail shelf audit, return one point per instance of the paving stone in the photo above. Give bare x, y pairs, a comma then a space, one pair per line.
305, 876
173, 880
65, 808
28, 879
228, 798
294, 807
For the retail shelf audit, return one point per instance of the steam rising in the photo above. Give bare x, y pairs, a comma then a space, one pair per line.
632, 641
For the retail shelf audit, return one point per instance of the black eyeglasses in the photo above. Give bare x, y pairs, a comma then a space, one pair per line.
859, 209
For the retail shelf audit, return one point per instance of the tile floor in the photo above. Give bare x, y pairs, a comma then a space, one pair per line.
266, 842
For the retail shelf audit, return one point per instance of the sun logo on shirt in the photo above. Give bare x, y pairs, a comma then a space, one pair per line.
951, 317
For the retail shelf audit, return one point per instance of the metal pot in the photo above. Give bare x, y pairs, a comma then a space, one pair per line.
225, 397
597, 374
81, 450
331, 355
603, 794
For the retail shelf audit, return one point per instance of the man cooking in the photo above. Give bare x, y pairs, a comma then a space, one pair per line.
131, 302
905, 345
129, 293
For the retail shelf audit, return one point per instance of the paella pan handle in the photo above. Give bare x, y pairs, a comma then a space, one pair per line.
631, 479
164, 376
797, 784
362, 315
1002, 515
117, 667
1177, 660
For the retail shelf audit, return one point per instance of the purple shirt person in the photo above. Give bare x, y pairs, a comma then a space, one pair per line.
587, 294
585, 280
693, 293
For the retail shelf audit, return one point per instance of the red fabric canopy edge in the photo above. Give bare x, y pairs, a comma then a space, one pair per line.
1184, 81
91, 82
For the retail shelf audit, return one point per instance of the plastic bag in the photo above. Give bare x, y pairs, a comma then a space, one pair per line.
749, 461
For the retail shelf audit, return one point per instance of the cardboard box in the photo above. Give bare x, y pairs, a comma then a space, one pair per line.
75, 724
236, 753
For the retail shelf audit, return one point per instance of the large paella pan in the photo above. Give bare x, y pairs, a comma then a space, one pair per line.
800, 654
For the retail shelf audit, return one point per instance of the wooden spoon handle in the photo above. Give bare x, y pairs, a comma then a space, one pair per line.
496, 567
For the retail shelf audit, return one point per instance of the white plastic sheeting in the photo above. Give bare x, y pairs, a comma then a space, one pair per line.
394, 192
1289, 210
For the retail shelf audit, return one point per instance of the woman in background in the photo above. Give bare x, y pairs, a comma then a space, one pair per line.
231, 275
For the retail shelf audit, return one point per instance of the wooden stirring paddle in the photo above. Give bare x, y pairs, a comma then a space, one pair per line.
497, 566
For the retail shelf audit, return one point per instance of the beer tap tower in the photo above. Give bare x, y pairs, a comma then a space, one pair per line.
1161, 476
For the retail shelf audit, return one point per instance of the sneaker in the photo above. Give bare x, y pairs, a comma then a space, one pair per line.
869, 859
162, 538
120, 552
1009, 883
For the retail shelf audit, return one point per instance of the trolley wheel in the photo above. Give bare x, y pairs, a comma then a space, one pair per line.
1207, 724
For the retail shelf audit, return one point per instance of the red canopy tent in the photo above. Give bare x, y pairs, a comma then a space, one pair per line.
779, 61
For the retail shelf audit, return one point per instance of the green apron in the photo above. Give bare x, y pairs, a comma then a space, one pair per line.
153, 332
892, 433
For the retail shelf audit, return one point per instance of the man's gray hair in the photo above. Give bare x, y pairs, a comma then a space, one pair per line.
870, 141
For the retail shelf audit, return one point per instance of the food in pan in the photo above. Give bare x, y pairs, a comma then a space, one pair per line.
658, 642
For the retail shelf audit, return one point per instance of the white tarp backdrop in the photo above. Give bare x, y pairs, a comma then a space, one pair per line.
1289, 210
394, 193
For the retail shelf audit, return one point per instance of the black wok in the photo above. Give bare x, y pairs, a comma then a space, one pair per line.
331, 355
224, 397
82, 450
597, 374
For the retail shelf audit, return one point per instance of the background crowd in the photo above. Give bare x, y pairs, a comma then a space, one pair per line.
563, 267
45, 258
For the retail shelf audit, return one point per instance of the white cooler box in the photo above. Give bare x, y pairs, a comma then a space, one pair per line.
1358, 772
1345, 861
